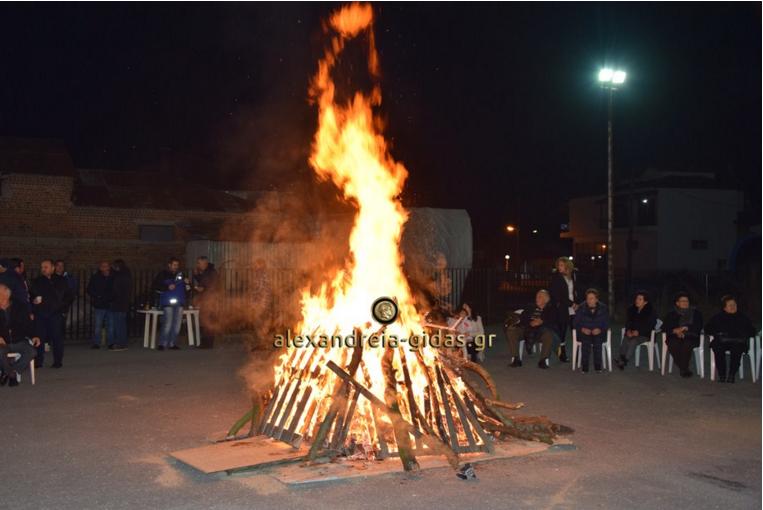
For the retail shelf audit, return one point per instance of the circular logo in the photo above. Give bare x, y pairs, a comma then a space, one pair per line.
384, 310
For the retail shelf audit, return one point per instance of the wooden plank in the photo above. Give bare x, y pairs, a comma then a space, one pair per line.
460, 409
448, 414
254, 451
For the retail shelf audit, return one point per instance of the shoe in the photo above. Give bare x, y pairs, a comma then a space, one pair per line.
583, 370
730, 379
687, 374
516, 363
160, 348
95, 346
721, 379
3, 379
597, 370
38, 365
174, 348
542, 364
57, 365
621, 362
12, 382
115, 347
528, 348
563, 355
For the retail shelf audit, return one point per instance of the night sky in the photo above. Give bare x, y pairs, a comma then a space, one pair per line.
484, 103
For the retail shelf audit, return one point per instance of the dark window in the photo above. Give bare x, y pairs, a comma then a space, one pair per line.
157, 233
699, 244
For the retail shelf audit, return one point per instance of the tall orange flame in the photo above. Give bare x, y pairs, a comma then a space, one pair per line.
350, 150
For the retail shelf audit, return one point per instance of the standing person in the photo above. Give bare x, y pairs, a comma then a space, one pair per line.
10, 279
539, 322
50, 297
638, 327
565, 294
73, 283
18, 335
171, 287
99, 288
591, 323
20, 270
120, 305
205, 286
731, 331
682, 325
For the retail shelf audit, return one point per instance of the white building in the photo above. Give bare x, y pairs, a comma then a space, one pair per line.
681, 221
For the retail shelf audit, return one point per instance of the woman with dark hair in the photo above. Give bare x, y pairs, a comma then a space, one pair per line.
120, 305
731, 331
682, 326
638, 327
565, 295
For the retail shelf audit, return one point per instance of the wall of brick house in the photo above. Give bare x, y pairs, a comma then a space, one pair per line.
38, 220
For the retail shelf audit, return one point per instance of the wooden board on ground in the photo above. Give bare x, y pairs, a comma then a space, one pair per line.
298, 474
229, 455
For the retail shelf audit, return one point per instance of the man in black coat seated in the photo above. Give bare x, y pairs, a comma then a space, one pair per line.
731, 331
683, 326
538, 322
17, 336
638, 327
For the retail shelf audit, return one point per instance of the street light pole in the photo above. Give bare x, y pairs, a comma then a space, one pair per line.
610, 216
610, 80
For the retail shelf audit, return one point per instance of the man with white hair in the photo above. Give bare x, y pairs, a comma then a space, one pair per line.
539, 323
17, 336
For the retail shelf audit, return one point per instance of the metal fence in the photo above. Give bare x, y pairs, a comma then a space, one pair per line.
491, 292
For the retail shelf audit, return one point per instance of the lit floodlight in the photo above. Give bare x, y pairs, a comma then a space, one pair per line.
618, 77
606, 75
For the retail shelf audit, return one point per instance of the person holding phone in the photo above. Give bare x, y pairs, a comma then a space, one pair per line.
171, 287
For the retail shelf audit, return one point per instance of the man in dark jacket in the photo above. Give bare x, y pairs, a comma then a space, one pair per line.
682, 325
171, 287
51, 298
11, 277
638, 327
539, 322
205, 286
591, 323
99, 288
731, 331
120, 305
17, 336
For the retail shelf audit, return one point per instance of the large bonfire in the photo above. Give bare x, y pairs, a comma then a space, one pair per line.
377, 400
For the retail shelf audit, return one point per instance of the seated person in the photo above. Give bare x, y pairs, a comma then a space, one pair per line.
539, 322
731, 331
591, 323
466, 324
682, 325
638, 327
17, 335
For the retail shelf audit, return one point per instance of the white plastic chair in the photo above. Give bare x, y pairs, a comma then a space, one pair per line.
17, 356
699, 356
750, 354
652, 351
606, 351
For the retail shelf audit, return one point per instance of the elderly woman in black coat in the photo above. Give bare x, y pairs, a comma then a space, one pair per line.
731, 331
682, 325
638, 327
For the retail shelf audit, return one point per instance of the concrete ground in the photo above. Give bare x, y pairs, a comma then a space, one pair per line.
96, 434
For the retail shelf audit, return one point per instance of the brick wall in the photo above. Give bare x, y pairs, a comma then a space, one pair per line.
38, 220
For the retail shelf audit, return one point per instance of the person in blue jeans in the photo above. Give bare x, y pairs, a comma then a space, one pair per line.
99, 288
171, 287
591, 323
